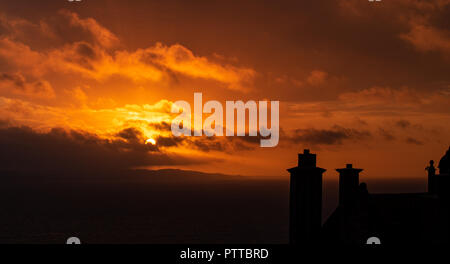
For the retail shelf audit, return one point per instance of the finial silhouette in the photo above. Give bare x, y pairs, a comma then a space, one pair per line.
431, 177
431, 169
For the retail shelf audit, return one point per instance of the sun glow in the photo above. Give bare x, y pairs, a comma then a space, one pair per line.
150, 141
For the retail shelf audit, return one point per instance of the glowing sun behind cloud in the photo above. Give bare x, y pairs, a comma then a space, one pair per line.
349, 101
150, 141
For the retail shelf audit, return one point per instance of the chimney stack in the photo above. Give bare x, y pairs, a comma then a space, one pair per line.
348, 185
305, 200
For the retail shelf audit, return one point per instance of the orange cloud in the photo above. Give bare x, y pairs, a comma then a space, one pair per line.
150, 64
19, 85
418, 16
21, 57
427, 38
317, 78
182, 60
103, 122
102, 35
378, 99
402, 100
94, 62
96, 56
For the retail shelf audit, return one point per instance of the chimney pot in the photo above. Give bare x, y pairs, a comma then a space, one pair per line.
348, 184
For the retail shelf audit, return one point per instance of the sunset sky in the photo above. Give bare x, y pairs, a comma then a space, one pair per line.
89, 83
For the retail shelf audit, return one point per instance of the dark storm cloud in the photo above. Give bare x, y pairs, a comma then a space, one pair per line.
86, 50
403, 123
169, 141
24, 149
334, 136
59, 28
16, 79
131, 134
83, 54
386, 134
204, 143
17, 83
226, 144
163, 126
208, 144
413, 141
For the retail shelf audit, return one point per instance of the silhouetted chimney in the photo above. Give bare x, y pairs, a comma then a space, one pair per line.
305, 200
348, 185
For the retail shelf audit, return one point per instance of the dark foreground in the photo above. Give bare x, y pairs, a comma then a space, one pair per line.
150, 207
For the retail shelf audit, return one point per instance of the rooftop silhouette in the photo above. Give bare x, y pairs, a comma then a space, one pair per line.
393, 218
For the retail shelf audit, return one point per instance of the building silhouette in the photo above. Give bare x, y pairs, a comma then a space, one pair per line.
305, 200
404, 218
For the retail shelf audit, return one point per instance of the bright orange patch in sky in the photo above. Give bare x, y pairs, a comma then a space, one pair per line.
341, 91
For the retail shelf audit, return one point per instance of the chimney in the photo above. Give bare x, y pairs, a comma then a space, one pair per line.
305, 222
348, 185
306, 160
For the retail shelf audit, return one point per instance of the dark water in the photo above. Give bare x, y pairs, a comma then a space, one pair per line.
227, 212
219, 211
